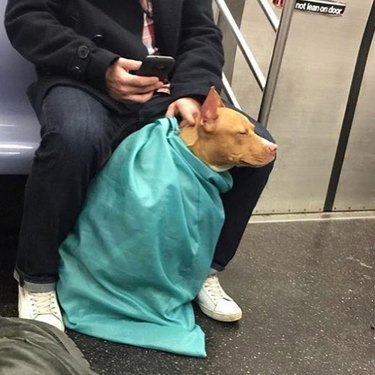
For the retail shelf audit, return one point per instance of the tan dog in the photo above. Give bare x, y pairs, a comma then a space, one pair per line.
224, 138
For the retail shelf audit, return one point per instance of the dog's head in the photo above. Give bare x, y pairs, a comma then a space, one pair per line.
225, 138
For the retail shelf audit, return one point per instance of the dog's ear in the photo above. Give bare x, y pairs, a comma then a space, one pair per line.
210, 105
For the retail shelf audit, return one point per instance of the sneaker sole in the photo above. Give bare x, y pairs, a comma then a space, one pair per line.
221, 317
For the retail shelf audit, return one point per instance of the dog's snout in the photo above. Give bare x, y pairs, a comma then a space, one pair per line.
272, 147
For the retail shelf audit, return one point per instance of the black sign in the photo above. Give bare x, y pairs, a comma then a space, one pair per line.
330, 8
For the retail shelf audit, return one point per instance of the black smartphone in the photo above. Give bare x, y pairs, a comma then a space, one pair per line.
156, 66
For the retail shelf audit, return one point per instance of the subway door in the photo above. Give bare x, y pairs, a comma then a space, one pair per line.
310, 104
356, 182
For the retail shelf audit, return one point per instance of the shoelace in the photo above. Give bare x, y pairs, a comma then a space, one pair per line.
44, 303
214, 288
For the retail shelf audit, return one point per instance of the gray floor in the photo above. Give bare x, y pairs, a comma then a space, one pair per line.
307, 291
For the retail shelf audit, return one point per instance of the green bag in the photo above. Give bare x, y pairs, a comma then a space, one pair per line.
36, 348
143, 244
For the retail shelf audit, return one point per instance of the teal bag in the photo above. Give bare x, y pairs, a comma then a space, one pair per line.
143, 244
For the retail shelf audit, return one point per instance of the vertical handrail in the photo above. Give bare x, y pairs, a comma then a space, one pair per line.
229, 92
247, 53
277, 56
270, 14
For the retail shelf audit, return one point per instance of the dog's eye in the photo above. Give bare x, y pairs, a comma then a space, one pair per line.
243, 132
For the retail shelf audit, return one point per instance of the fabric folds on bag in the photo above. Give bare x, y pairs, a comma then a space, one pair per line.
143, 244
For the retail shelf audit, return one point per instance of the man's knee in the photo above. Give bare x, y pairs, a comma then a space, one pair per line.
74, 126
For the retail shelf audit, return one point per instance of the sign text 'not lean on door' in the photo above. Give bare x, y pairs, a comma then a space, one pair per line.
330, 8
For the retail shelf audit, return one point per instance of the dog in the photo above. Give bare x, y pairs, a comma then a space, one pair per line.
144, 240
224, 138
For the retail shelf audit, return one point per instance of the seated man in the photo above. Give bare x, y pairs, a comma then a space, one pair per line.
87, 97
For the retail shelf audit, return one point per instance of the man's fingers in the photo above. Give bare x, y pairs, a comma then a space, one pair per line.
188, 108
189, 116
171, 111
142, 84
121, 85
128, 64
130, 89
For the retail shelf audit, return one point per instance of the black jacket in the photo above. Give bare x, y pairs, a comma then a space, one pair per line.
72, 42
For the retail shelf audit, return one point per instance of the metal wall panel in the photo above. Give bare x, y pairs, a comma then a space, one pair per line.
356, 190
309, 105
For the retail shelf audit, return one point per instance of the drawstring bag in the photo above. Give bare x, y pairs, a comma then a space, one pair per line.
143, 244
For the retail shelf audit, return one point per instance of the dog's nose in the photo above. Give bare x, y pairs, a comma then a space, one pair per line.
272, 147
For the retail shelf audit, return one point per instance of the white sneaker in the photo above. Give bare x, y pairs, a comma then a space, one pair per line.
40, 306
215, 303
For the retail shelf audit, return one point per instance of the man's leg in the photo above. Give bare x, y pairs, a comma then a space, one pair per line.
239, 203
76, 141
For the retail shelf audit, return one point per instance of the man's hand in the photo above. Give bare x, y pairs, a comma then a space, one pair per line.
187, 108
121, 85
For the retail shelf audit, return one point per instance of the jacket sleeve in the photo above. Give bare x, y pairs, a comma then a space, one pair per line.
200, 56
36, 32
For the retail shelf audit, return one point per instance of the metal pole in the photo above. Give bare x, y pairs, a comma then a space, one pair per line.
277, 56
270, 14
245, 49
229, 41
229, 92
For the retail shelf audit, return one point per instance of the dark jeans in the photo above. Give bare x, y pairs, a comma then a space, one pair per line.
78, 134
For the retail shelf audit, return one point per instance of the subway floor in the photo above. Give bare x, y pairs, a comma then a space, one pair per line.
307, 291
